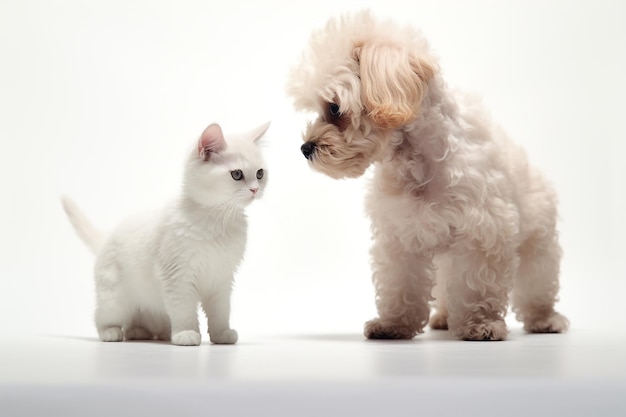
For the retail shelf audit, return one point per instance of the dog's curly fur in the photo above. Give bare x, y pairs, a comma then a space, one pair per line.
459, 217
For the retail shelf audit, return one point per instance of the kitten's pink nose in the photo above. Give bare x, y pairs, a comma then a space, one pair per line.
254, 190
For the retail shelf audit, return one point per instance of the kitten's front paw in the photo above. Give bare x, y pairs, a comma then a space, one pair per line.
186, 338
225, 337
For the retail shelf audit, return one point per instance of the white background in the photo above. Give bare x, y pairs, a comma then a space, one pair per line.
101, 99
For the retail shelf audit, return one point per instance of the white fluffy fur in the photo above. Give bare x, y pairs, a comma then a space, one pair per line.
458, 214
155, 268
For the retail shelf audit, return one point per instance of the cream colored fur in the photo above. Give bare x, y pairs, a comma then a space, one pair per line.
459, 216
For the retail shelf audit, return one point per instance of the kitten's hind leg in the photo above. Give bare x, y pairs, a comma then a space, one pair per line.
149, 325
111, 334
111, 315
137, 333
159, 325
109, 322
138, 329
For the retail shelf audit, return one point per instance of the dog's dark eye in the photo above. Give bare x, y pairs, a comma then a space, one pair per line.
333, 110
237, 174
259, 174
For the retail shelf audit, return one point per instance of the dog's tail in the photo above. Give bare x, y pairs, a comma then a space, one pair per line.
84, 229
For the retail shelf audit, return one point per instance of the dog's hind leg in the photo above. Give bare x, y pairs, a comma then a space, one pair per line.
537, 285
478, 290
403, 282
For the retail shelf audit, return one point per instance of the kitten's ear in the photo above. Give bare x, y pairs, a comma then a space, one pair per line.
211, 141
257, 133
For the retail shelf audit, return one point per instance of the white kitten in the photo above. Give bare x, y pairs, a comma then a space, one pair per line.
154, 269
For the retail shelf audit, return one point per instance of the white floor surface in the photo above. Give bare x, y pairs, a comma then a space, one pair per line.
582, 373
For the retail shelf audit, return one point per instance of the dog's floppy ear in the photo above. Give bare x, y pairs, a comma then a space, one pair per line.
393, 82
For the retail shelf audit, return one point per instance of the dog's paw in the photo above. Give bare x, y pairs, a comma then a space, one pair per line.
375, 329
112, 334
439, 321
225, 337
186, 338
492, 331
555, 323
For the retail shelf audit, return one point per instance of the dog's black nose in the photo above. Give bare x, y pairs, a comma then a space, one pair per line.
308, 149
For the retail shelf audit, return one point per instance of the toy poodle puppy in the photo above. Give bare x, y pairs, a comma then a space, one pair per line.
460, 219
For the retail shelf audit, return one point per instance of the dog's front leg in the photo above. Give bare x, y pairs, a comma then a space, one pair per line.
403, 283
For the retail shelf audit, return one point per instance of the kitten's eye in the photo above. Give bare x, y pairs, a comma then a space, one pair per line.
259, 174
237, 174
333, 109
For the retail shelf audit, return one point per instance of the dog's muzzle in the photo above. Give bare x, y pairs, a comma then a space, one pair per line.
308, 149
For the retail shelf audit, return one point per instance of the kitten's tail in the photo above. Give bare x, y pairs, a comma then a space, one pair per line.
84, 229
